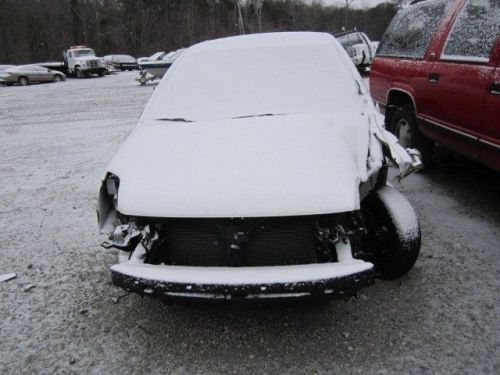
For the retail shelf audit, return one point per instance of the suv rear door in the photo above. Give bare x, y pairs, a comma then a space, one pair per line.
489, 142
401, 63
458, 81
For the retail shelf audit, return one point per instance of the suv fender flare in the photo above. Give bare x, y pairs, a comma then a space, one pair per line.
390, 102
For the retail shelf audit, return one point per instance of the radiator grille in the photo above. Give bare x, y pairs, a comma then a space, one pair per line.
270, 241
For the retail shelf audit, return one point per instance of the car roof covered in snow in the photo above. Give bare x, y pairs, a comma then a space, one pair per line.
279, 39
275, 73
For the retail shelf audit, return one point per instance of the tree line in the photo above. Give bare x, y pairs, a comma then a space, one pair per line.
39, 30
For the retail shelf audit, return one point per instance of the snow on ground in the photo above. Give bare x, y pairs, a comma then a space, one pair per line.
62, 315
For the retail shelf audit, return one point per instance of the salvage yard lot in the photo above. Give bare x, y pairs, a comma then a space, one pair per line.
55, 143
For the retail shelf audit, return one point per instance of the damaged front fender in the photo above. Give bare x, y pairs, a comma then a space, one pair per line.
107, 217
407, 160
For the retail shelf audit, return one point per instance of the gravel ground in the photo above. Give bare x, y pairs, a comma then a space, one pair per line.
55, 142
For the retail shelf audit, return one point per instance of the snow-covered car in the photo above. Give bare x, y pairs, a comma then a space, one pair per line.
256, 171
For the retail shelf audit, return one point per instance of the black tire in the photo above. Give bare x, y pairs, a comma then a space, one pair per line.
23, 81
101, 73
394, 232
79, 73
58, 78
404, 126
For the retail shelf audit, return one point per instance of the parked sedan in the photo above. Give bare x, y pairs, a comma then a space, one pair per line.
263, 177
26, 74
121, 62
5, 67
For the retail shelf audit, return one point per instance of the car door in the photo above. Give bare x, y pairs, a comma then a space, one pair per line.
459, 78
32, 73
489, 142
44, 74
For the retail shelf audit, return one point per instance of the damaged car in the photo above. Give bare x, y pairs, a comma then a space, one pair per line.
258, 169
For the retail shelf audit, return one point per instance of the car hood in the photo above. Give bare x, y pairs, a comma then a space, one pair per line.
278, 165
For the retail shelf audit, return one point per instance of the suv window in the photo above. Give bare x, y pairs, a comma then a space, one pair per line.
474, 32
411, 30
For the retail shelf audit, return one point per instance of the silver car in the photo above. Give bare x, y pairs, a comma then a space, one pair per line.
26, 74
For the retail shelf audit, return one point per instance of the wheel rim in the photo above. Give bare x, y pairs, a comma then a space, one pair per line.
57, 78
403, 132
23, 81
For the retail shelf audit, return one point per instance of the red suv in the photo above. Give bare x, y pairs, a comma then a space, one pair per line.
437, 77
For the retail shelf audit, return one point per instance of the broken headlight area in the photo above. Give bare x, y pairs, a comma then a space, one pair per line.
108, 216
274, 244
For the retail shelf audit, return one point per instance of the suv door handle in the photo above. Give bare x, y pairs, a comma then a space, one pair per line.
495, 88
434, 77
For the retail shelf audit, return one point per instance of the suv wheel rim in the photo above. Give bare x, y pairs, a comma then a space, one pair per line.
403, 131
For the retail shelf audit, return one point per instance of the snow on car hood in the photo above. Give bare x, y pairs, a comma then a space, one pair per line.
247, 167
257, 125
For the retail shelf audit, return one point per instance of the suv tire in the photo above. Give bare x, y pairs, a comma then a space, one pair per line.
404, 127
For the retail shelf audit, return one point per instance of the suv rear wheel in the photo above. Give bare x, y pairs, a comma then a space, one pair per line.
404, 127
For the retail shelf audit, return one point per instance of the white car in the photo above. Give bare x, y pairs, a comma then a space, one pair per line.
256, 171
153, 57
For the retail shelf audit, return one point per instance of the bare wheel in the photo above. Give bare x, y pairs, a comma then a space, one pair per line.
404, 127
23, 81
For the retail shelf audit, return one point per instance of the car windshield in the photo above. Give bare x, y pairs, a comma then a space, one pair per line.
124, 58
157, 56
84, 52
256, 80
25, 68
350, 39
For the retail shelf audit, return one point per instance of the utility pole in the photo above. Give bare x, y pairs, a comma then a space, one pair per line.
347, 3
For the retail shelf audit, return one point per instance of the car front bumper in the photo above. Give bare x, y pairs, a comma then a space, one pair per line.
333, 280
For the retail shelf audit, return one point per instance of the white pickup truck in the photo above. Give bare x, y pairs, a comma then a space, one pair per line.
359, 47
81, 61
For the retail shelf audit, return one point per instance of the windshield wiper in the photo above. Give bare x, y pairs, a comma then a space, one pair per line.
263, 115
176, 119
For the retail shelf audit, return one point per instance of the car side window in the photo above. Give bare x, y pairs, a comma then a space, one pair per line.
474, 32
411, 30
